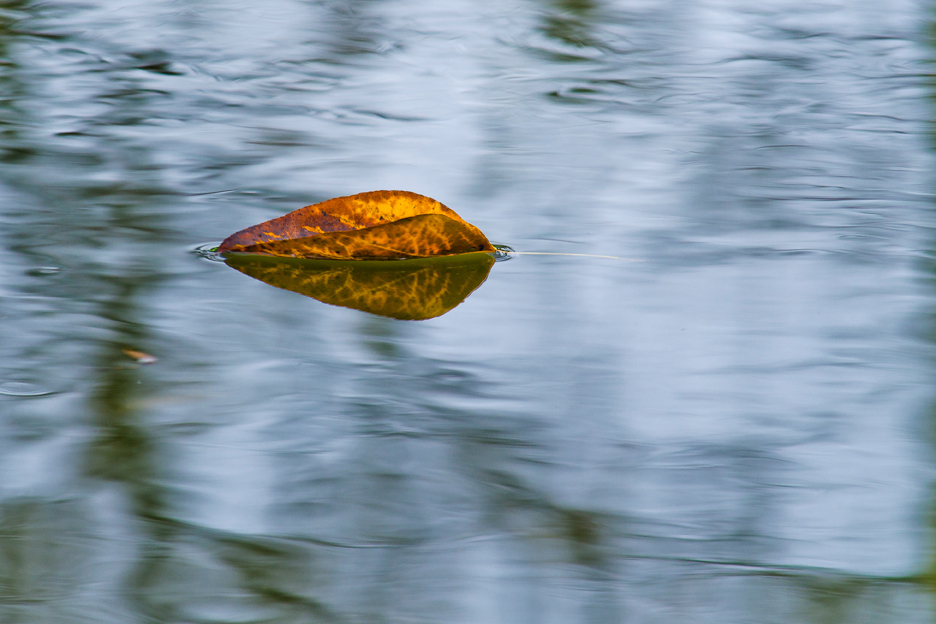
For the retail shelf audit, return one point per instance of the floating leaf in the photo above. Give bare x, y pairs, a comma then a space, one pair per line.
380, 225
140, 356
411, 290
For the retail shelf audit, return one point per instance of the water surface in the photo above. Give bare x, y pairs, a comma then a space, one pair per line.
730, 424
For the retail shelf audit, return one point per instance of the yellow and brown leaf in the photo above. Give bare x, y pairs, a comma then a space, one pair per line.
378, 225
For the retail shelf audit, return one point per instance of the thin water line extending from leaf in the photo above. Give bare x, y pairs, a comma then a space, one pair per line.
552, 253
231, 190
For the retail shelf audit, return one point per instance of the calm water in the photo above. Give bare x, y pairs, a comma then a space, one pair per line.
733, 423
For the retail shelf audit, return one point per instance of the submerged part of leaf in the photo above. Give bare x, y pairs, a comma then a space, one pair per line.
424, 236
345, 214
409, 290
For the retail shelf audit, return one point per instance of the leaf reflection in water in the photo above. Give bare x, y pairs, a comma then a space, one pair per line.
409, 290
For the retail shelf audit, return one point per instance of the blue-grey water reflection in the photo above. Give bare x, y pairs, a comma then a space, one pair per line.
731, 424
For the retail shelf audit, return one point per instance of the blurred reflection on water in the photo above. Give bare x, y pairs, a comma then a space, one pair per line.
735, 428
414, 290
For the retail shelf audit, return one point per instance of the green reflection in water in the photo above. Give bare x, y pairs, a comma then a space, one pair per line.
570, 23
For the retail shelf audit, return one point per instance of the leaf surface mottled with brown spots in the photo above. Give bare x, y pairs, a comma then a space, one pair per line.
379, 225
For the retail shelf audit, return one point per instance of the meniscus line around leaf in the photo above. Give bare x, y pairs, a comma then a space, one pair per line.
552, 253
